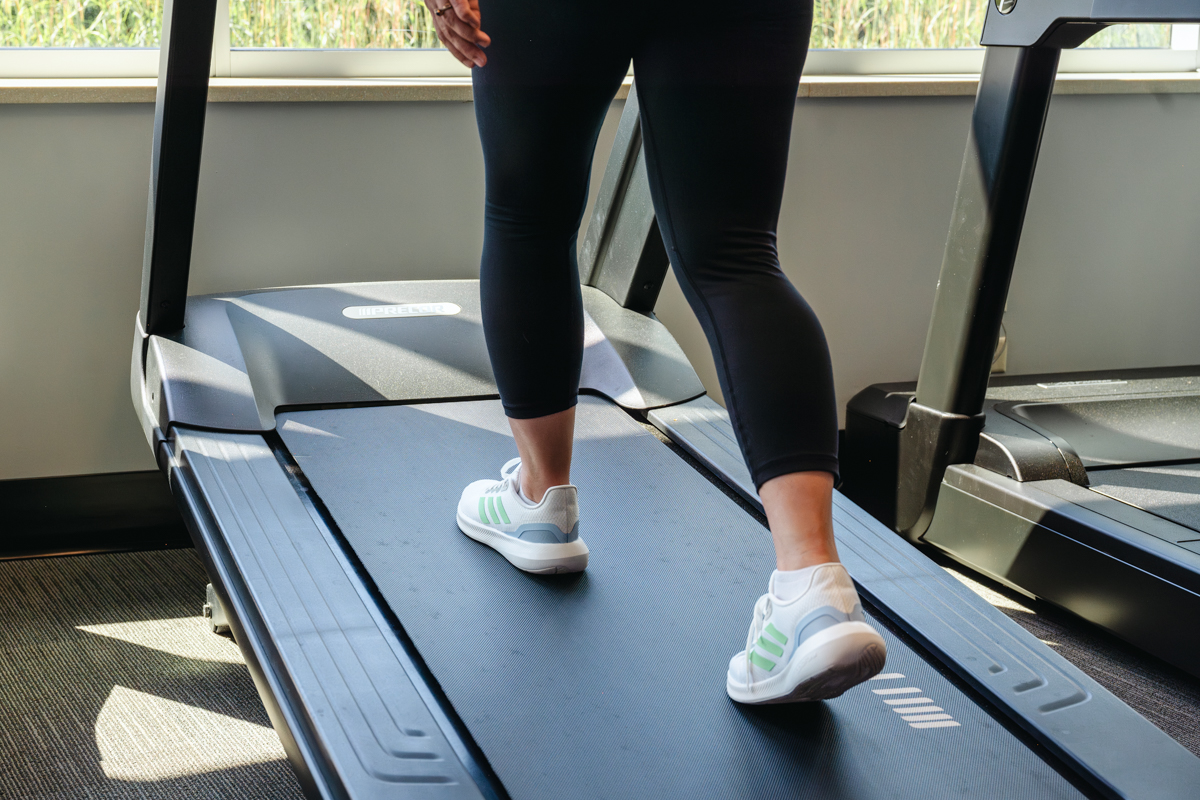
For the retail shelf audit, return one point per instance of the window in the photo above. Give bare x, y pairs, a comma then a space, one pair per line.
897, 36
332, 38
74, 38
897, 24
395, 38
331, 24
80, 23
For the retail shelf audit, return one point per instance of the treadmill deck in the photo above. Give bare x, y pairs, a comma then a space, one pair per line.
610, 683
1171, 492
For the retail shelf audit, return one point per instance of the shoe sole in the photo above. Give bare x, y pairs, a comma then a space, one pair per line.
533, 557
831, 662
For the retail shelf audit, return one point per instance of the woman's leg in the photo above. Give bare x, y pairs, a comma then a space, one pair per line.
552, 71
799, 508
717, 129
717, 124
545, 447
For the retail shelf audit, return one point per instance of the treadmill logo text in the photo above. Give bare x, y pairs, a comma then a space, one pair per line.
915, 709
409, 310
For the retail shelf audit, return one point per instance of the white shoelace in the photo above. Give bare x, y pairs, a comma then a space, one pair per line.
510, 468
510, 474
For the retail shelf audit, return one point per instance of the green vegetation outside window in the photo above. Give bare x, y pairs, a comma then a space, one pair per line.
390, 24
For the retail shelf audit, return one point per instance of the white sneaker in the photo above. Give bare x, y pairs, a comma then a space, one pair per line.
542, 538
814, 647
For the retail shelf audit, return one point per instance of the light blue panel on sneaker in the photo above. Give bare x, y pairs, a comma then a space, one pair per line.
824, 617
545, 533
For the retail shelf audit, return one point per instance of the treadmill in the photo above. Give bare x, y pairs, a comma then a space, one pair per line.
1080, 489
316, 440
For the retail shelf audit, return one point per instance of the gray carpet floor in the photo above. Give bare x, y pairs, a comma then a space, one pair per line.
112, 686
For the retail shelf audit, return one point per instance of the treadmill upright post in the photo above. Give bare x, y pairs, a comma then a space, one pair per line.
943, 423
623, 253
185, 61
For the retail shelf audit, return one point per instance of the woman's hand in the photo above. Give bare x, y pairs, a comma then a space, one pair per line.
458, 28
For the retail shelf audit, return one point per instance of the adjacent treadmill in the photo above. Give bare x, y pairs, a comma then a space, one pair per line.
316, 439
1081, 489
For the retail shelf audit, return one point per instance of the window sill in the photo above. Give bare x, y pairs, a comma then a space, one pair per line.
389, 90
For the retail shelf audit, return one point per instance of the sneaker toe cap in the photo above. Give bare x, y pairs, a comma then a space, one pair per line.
737, 668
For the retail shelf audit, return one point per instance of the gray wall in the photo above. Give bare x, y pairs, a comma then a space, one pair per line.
300, 193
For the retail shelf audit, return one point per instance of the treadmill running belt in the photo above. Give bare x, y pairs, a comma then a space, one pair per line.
1170, 492
610, 683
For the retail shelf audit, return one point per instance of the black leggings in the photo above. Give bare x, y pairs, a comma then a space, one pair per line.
717, 87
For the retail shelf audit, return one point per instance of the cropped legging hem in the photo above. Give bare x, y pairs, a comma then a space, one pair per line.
810, 462
551, 405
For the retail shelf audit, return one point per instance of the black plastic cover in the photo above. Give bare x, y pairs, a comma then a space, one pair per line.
244, 355
1112, 564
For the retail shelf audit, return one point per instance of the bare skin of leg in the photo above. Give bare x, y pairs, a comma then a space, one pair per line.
799, 510
799, 505
545, 447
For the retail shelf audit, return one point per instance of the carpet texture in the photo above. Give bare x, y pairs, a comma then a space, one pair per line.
112, 686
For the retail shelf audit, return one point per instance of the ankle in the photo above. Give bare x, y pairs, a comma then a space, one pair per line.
799, 509
787, 560
534, 487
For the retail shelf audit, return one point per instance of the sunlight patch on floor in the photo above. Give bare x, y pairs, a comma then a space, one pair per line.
995, 598
187, 637
142, 737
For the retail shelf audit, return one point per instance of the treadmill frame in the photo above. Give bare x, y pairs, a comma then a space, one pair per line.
944, 419
906, 448
287, 582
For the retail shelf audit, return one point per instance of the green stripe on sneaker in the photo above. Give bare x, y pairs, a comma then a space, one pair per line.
779, 637
482, 511
770, 647
492, 508
760, 662
500, 507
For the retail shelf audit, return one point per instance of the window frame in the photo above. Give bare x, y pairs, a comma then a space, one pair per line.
230, 62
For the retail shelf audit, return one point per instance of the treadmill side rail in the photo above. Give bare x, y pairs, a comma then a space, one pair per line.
332, 675
1110, 744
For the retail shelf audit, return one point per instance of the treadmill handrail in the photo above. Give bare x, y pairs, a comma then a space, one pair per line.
943, 422
185, 61
1069, 23
1024, 39
1003, 144
623, 252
